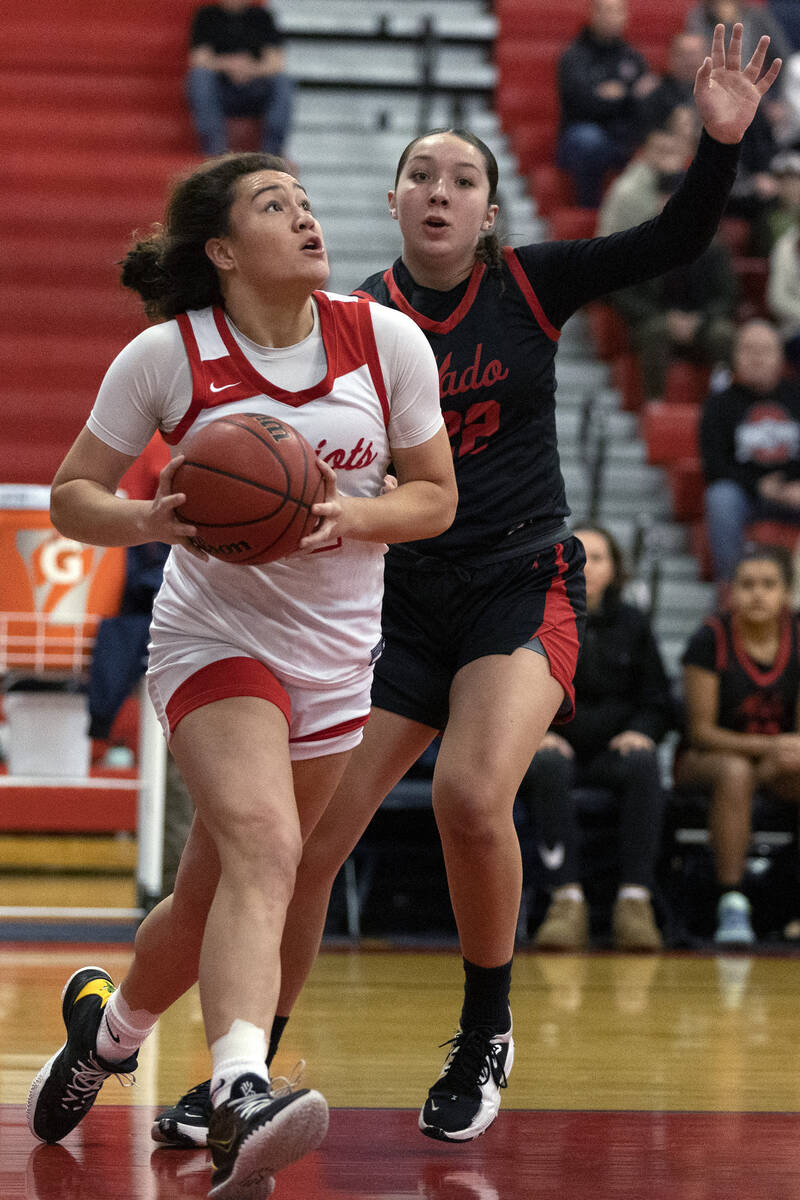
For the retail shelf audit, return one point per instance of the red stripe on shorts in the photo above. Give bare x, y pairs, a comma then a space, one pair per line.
333, 730
558, 633
220, 680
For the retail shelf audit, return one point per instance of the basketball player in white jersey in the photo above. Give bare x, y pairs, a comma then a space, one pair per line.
260, 675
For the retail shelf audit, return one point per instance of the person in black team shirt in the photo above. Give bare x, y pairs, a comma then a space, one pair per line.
623, 708
237, 68
483, 624
742, 687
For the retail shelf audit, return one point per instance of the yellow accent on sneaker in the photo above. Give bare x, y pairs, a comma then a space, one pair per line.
97, 987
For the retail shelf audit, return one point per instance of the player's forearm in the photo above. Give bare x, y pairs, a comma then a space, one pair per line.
417, 509
88, 512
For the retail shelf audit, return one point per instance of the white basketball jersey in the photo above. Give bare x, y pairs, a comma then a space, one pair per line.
314, 618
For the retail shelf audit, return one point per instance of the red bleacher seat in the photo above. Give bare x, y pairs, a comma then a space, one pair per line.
521, 18
752, 274
627, 379
551, 188
699, 546
687, 486
566, 223
686, 382
670, 431
534, 143
608, 330
773, 533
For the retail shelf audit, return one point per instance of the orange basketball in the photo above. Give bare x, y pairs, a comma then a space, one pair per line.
250, 481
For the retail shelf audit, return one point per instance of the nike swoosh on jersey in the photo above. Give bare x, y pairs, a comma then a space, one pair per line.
552, 858
224, 387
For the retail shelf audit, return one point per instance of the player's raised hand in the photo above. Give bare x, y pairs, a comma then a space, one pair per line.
726, 94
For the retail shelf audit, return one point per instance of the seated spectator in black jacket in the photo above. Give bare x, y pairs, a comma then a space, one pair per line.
602, 81
750, 446
623, 709
676, 86
687, 313
237, 69
741, 688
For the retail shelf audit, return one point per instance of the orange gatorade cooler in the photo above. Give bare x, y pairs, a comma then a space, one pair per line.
53, 593
53, 590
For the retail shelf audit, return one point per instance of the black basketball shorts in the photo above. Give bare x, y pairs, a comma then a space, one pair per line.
439, 616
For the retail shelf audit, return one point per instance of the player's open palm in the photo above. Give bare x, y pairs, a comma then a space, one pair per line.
726, 94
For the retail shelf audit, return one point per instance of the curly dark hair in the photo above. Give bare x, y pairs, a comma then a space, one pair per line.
490, 248
170, 269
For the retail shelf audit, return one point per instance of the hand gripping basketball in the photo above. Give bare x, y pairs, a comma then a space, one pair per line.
250, 481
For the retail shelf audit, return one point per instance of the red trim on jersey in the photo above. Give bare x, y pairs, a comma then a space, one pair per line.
718, 629
524, 285
370, 349
751, 668
333, 730
221, 680
198, 380
558, 633
399, 300
248, 371
364, 295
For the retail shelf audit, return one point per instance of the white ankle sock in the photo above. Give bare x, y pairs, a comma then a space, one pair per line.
240, 1051
570, 891
633, 891
122, 1029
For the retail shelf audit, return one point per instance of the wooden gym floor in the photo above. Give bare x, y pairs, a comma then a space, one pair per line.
637, 1077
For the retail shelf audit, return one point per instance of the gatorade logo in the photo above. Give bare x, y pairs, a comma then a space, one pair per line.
60, 570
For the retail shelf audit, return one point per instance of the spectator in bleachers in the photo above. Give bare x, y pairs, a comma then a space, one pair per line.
676, 86
742, 686
756, 20
602, 81
687, 313
789, 126
237, 68
784, 211
750, 446
622, 710
783, 289
634, 195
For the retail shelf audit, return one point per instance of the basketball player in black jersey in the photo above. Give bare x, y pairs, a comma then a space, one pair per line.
483, 623
742, 686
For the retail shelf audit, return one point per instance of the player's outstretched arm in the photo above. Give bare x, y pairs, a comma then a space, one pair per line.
726, 94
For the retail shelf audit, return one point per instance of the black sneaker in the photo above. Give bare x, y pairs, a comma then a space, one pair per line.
256, 1133
465, 1099
67, 1085
186, 1123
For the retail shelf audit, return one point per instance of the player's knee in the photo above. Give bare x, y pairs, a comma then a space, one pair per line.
467, 812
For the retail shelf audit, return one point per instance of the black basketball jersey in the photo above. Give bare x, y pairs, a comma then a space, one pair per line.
495, 338
753, 697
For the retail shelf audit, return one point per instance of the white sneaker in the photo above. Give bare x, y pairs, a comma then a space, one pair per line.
733, 921
465, 1099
